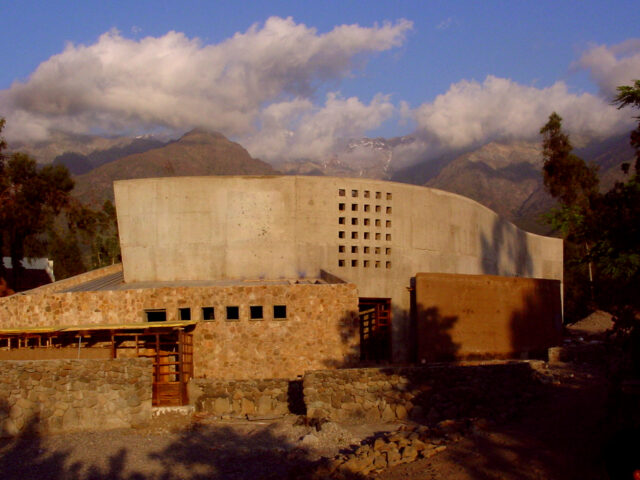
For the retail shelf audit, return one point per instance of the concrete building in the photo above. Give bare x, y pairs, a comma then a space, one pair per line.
375, 234
272, 276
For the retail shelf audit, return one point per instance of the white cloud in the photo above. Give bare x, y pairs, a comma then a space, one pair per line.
612, 66
471, 113
299, 129
123, 85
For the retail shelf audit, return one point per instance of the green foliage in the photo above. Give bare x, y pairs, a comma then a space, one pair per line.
106, 243
602, 230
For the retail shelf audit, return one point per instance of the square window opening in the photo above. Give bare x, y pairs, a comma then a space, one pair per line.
208, 314
389, 196
367, 221
367, 208
354, 221
341, 220
342, 192
354, 263
378, 208
184, 313
378, 195
377, 236
378, 222
377, 265
233, 313
340, 234
366, 264
354, 235
377, 251
340, 248
342, 206
156, 315
354, 193
387, 251
366, 194
366, 235
354, 249
388, 265
388, 237
280, 312
255, 312
388, 223
366, 249
341, 263
354, 207
389, 210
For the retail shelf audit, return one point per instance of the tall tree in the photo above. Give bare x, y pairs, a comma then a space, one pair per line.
30, 199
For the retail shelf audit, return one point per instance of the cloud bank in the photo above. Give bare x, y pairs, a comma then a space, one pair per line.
261, 88
119, 84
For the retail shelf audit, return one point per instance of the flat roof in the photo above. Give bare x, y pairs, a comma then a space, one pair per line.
97, 327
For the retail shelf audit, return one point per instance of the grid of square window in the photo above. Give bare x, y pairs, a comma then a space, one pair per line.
364, 228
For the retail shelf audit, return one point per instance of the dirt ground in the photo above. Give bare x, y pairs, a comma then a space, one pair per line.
560, 434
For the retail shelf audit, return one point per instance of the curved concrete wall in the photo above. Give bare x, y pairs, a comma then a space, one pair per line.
376, 234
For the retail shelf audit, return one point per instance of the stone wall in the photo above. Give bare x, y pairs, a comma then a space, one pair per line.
66, 395
430, 393
247, 398
319, 328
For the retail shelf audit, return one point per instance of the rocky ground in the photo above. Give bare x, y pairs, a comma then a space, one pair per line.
560, 432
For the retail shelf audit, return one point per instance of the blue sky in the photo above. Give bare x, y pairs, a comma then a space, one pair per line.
527, 46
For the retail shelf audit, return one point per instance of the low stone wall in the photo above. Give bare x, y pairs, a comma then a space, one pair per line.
247, 398
66, 395
431, 393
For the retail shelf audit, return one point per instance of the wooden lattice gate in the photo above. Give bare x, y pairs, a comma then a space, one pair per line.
375, 329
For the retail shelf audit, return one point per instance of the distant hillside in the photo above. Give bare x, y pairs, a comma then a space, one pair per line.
47, 150
196, 153
78, 164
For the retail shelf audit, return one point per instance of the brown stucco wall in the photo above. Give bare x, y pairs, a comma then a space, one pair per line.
460, 316
320, 330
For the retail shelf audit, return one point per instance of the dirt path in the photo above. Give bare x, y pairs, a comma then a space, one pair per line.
560, 434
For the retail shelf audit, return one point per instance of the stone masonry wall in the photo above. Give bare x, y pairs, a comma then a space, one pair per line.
430, 393
242, 398
66, 395
320, 328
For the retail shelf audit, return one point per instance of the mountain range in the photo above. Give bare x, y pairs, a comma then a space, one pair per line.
504, 176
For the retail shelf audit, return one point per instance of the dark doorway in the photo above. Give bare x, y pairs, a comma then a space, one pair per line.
375, 329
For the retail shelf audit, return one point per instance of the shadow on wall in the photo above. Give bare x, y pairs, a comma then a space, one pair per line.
434, 335
538, 324
502, 256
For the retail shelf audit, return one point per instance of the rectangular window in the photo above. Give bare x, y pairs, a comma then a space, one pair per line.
388, 237
367, 208
341, 263
156, 315
389, 210
342, 192
378, 208
377, 251
354, 193
185, 313
340, 248
354, 235
279, 312
366, 235
377, 236
387, 251
377, 263
378, 195
208, 314
255, 312
354, 221
233, 313
341, 220
389, 196
341, 206
354, 263
340, 234
366, 264
378, 222
388, 224
354, 207
354, 249
367, 221
366, 194
388, 264
366, 249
